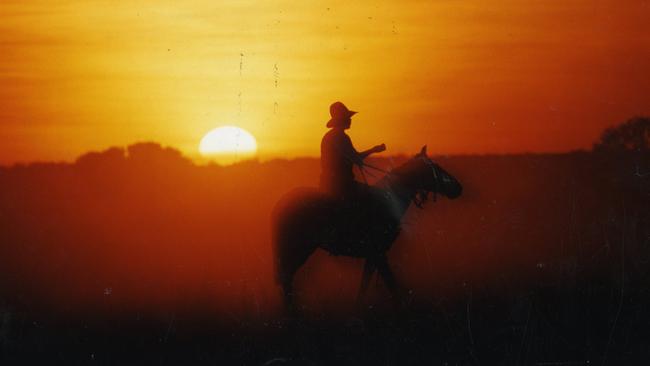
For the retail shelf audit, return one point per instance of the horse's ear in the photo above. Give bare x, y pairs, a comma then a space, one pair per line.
423, 151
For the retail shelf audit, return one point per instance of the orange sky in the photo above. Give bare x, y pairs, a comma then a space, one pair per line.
461, 76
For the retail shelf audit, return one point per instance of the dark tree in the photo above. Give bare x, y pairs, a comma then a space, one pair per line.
102, 161
152, 153
632, 135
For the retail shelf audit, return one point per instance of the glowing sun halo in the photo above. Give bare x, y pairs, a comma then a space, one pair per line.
228, 141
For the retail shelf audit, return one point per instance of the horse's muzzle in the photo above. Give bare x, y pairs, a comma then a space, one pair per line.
455, 191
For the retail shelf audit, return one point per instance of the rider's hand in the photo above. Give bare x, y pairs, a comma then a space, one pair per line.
380, 148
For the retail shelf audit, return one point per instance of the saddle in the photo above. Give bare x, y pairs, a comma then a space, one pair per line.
358, 222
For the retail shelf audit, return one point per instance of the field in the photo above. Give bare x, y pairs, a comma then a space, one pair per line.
139, 256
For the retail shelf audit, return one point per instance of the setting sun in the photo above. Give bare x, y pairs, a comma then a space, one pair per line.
228, 144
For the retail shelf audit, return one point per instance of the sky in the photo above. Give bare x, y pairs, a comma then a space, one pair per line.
463, 77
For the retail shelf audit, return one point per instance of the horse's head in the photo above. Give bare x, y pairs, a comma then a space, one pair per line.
427, 176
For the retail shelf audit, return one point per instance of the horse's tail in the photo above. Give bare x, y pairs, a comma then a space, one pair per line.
290, 249
279, 249
282, 239
291, 245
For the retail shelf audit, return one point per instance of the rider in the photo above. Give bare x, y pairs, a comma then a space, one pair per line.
338, 155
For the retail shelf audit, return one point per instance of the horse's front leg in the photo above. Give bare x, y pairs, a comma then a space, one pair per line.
389, 278
369, 269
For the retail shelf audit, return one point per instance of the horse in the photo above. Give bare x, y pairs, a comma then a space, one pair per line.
306, 219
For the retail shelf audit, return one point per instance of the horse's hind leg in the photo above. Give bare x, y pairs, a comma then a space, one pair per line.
369, 269
286, 281
287, 293
292, 255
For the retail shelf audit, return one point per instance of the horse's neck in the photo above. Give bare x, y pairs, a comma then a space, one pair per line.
399, 194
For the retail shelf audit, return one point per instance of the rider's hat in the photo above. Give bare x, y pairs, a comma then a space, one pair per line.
339, 112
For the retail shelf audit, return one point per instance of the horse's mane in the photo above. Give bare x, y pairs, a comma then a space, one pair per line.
406, 169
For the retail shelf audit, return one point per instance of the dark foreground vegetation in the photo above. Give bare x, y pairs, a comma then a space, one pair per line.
141, 257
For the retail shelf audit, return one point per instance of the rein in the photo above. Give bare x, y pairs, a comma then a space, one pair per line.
420, 194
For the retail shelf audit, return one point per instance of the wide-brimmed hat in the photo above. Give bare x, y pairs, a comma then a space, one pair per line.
339, 112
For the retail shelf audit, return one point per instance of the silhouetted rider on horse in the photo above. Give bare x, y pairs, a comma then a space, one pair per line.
338, 156
346, 220
342, 221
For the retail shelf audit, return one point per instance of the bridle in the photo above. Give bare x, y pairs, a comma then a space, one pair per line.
421, 195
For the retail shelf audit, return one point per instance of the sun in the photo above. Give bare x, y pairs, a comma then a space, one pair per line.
228, 144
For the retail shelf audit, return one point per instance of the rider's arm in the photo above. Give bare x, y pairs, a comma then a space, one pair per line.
365, 154
375, 149
357, 157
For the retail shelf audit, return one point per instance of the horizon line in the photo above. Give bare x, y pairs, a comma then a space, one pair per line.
208, 162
